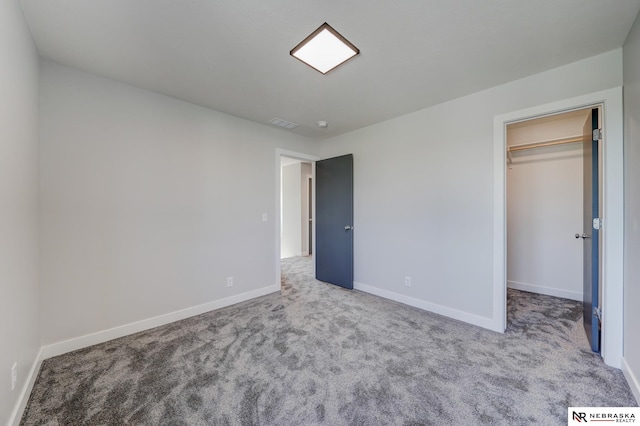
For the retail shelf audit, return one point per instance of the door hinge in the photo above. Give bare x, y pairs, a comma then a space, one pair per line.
597, 134
597, 223
597, 312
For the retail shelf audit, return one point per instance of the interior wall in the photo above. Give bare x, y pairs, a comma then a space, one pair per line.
423, 188
148, 203
631, 363
544, 208
291, 235
19, 331
305, 175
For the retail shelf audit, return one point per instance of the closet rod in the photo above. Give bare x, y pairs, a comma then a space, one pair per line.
541, 144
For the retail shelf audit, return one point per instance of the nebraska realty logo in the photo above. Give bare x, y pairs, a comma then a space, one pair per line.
599, 415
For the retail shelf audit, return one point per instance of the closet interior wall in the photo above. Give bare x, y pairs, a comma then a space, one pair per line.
544, 206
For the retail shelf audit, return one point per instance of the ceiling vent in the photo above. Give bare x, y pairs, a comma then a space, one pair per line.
283, 123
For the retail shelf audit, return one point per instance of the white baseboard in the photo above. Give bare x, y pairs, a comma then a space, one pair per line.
549, 291
634, 382
25, 392
76, 343
483, 322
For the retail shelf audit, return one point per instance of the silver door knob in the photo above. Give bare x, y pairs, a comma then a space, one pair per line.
348, 228
583, 236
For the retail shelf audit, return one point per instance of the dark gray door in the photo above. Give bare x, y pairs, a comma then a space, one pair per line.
590, 231
334, 221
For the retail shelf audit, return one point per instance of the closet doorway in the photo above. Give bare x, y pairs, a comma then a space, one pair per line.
612, 199
545, 205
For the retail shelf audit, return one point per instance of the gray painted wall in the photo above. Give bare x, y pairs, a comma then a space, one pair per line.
295, 224
424, 189
291, 236
148, 203
19, 299
305, 174
631, 55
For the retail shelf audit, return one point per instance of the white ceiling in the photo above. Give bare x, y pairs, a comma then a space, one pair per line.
233, 56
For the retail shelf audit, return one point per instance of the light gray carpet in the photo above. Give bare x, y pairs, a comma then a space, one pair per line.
320, 355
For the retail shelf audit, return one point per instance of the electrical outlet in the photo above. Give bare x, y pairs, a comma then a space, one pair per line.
407, 281
229, 281
265, 217
14, 375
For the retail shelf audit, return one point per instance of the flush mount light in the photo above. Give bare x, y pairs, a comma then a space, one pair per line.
324, 49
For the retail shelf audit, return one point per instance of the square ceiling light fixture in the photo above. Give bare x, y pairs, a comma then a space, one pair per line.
325, 49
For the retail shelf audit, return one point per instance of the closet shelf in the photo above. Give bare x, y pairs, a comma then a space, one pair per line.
541, 144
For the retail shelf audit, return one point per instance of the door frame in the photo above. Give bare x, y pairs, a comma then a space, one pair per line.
306, 158
612, 233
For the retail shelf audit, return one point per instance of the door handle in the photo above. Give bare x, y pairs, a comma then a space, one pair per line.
583, 236
348, 228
